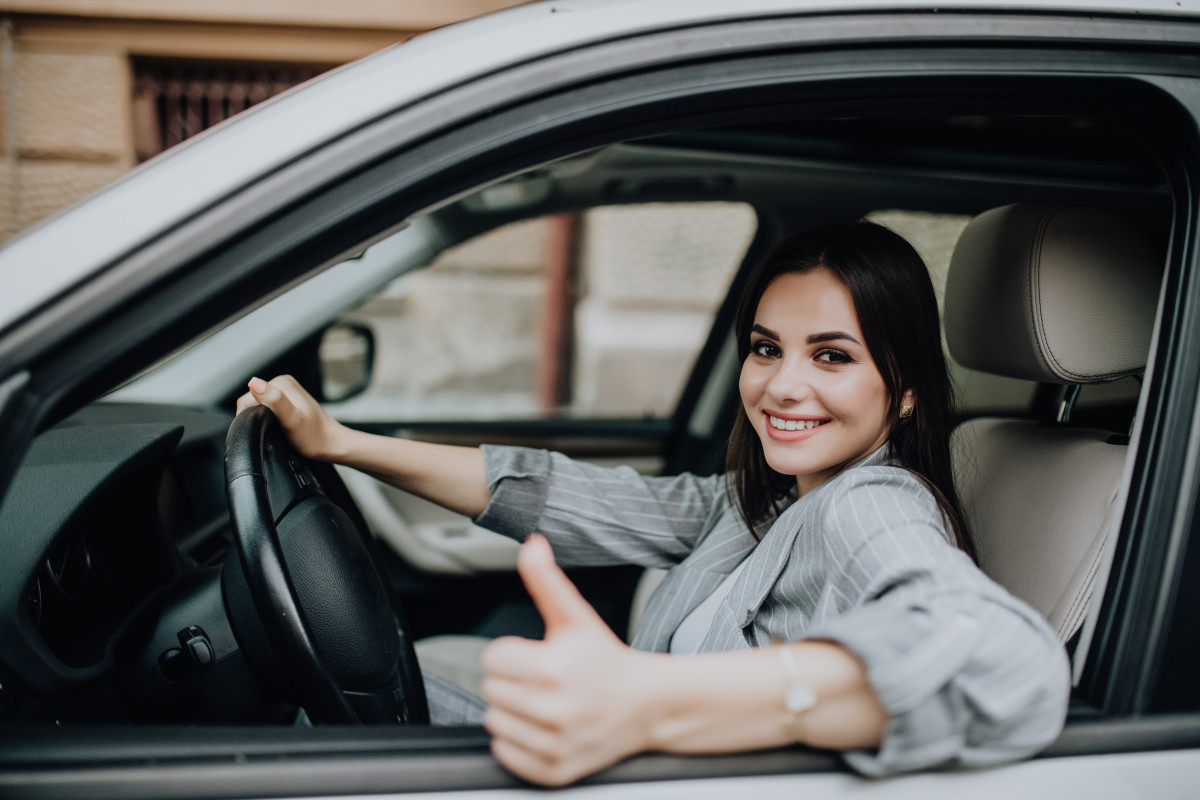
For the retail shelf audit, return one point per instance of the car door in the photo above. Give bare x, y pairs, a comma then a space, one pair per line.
1134, 722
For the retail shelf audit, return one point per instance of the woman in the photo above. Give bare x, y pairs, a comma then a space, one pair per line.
824, 593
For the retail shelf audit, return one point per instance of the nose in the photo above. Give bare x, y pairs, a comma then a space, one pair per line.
790, 382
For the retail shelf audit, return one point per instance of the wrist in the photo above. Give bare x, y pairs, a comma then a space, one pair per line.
656, 701
337, 443
799, 697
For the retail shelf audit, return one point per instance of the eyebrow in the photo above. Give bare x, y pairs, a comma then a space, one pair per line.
816, 338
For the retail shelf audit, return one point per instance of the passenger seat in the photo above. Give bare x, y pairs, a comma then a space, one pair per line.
1063, 294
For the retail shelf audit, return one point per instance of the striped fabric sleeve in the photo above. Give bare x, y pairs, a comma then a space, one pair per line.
969, 674
597, 515
451, 704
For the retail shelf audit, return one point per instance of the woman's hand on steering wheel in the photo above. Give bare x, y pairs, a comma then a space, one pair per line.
309, 427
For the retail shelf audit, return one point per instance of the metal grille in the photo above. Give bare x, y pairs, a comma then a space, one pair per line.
172, 102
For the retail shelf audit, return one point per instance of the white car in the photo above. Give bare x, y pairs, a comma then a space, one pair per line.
530, 228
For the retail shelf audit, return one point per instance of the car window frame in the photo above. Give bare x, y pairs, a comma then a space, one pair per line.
1121, 674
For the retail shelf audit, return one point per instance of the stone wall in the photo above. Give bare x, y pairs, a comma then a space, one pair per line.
465, 337
66, 77
66, 127
463, 334
655, 275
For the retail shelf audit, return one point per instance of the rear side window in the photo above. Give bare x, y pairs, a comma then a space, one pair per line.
934, 237
599, 314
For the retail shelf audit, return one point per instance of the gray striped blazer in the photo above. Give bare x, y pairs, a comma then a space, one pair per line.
969, 674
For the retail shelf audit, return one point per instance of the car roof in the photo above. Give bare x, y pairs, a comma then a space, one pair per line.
51, 257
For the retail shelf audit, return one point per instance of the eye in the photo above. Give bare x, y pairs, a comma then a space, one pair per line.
831, 356
764, 349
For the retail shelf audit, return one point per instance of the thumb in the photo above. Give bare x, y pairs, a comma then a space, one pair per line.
559, 602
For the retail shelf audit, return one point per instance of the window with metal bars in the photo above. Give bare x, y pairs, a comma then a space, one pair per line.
173, 101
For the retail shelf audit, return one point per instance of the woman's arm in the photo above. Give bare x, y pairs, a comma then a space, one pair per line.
969, 674
580, 700
595, 515
453, 477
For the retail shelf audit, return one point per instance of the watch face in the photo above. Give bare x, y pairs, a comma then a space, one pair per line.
799, 698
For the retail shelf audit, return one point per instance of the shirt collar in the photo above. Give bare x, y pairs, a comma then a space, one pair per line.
879, 457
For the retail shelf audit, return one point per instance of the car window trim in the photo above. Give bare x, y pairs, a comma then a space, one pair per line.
1121, 674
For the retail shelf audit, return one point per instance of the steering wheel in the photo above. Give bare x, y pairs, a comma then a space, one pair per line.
302, 590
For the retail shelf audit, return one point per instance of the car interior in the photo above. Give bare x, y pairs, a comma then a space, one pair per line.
1038, 535
1054, 283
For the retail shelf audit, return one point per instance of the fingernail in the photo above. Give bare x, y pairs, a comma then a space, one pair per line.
258, 385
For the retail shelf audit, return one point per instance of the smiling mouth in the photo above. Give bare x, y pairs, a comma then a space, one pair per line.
794, 424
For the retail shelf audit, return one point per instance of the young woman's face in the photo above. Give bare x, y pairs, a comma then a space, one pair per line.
809, 386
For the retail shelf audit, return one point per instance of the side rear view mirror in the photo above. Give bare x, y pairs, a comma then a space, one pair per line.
346, 356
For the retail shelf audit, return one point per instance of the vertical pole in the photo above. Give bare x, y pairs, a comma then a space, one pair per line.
558, 311
8, 66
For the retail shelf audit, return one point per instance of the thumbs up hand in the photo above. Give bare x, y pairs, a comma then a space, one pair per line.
568, 705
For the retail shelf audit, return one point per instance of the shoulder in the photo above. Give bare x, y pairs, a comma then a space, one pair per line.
876, 502
893, 489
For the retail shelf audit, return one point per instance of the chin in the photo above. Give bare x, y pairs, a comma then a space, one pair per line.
790, 466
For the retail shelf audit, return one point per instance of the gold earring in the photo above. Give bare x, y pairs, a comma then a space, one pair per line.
905, 412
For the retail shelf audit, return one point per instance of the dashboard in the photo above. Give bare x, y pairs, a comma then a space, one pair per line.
108, 511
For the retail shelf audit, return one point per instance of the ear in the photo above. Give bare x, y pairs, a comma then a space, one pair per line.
908, 402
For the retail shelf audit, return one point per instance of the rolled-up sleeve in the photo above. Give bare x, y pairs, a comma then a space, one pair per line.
597, 515
969, 674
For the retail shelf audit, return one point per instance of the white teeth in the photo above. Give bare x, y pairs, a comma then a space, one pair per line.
792, 424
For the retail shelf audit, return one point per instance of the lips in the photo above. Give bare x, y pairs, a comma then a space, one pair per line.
794, 429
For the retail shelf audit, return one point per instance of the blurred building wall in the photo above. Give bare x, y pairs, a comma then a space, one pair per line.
474, 335
78, 78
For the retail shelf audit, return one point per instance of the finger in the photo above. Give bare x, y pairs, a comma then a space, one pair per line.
559, 602
525, 764
273, 397
289, 386
246, 401
526, 734
511, 657
540, 706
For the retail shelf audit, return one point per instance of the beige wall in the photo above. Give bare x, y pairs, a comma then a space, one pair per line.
66, 77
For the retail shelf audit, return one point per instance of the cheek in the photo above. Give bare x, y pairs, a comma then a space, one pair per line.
863, 399
873, 399
750, 384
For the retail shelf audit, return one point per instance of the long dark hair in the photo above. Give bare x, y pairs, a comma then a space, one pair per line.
898, 314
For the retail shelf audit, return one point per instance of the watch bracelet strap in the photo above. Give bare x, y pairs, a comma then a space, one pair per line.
798, 697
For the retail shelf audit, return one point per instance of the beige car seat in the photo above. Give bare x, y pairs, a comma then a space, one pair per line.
1063, 294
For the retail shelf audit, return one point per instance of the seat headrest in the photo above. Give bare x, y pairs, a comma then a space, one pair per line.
1057, 293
